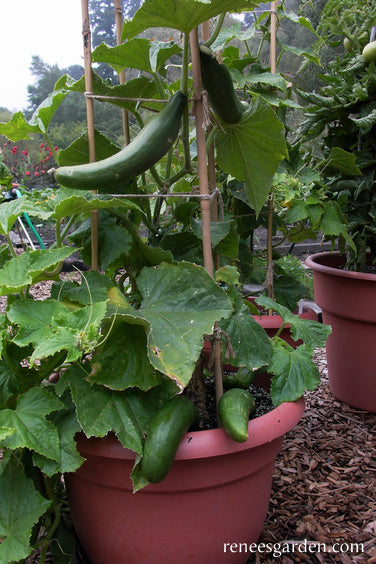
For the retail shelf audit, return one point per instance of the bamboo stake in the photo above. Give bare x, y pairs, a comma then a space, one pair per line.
122, 77
205, 203
273, 69
273, 37
205, 27
201, 152
86, 35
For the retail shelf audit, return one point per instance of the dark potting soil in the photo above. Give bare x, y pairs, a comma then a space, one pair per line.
262, 399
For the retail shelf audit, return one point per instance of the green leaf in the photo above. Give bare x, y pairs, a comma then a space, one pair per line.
365, 123
50, 327
275, 80
5, 432
304, 22
115, 242
93, 289
100, 410
34, 318
139, 53
184, 245
160, 52
32, 428
122, 361
18, 128
181, 302
248, 339
252, 149
67, 427
21, 506
234, 32
294, 372
9, 212
342, 160
29, 268
288, 291
76, 204
135, 88
228, 274
311, 332
78, 152
183, 15
218, 230
306, 53
46, 110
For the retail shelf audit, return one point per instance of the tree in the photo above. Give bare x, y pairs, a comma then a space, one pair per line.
46, 76
130, 7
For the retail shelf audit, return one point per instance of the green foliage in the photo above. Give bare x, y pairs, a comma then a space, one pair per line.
343, 115
106, 354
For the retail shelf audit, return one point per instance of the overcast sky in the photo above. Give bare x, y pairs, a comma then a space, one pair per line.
51, 29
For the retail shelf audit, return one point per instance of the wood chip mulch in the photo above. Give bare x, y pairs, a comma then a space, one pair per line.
324, 485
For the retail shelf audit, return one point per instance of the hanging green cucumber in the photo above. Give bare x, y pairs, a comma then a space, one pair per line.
146, 149
217, 80
234, 408
166, 430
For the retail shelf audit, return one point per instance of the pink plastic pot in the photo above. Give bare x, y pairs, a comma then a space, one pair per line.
216, 492
348, 302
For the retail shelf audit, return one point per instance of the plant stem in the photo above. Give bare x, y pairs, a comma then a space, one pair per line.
10, 245
216, 31
185, 119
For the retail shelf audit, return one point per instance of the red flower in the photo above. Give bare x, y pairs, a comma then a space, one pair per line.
47, 158
27, 173
43, 171
36, 173
56, 148
41, 145
24, 152
14, 149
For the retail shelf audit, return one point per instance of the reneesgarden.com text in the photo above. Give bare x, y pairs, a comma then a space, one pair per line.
290, 547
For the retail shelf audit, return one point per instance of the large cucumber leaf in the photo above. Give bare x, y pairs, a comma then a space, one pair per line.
139, 53
101, 410
32, 428
29, 268
248, 339
20, 508
51, 327
294, 371
313, 333
252, 149
181, 303
18, 128
183, 15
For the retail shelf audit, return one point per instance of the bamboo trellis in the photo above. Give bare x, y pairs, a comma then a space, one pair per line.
206, 170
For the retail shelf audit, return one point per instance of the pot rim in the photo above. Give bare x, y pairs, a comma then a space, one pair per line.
197, 444
314, 262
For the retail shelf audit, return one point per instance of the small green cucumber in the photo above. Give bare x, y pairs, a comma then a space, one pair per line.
217, 80
144, 151
166, 430
234, 408
242, 378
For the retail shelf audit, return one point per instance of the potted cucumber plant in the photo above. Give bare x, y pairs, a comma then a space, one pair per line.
103, 389
342, 114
